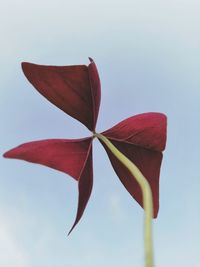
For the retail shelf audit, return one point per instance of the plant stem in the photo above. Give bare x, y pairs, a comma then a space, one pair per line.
146, 193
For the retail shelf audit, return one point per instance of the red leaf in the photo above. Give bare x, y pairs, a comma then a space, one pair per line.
148, 161
73, 89
73, 157
64, 155
146, 130
76, 90
85, 187
95, 89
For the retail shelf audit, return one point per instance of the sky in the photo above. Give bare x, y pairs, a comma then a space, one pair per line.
147, 54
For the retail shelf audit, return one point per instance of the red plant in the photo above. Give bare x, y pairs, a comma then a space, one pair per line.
76, 90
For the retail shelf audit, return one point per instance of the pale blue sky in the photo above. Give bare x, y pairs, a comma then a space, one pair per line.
147, 53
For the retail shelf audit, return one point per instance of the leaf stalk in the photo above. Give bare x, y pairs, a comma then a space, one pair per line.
146, 193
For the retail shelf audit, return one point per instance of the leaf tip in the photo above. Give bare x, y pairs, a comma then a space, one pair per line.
7, 154
71, 229
91, 60
24, 64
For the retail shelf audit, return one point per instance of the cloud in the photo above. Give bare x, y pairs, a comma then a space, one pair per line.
115, 207
11, 254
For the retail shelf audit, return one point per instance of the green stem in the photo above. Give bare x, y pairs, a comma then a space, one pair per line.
146, 193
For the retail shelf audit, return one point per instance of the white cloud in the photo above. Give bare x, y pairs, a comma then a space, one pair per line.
115, 207
11, 254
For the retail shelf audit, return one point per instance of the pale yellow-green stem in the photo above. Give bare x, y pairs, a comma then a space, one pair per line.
146, 193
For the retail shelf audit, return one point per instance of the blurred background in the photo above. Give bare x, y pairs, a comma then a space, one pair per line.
148, 57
